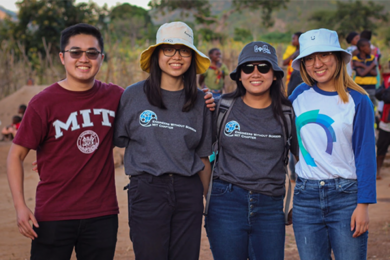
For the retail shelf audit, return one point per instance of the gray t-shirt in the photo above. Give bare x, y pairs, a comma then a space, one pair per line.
251, 150
162, 141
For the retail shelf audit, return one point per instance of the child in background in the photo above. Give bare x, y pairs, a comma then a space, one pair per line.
214, 77
365, 66
9, 132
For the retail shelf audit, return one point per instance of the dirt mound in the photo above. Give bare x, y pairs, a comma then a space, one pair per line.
9, 105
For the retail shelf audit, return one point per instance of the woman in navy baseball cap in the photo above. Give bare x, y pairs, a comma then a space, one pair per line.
336, 168
245, 216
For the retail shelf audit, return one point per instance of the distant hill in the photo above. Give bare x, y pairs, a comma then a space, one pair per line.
5, 12
293, 18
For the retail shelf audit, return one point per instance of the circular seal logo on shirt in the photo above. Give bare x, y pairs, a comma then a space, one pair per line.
146, 117
231, 127
88, 142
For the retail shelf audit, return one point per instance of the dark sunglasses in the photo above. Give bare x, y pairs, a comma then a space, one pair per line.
262, 68
76, 54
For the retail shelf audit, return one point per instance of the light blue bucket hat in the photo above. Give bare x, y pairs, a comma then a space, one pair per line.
320, 40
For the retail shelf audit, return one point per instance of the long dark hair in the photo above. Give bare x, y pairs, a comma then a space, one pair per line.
152, 86
276, 92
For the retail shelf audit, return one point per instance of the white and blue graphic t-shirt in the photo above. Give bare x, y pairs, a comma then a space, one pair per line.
160, 141
251, 150
336, 139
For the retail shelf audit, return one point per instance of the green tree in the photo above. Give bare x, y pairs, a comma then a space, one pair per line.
242, 35
201, 11
133, 22
46, 19
350, 16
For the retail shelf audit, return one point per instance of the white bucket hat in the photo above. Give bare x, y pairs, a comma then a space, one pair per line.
175, 33
320, 40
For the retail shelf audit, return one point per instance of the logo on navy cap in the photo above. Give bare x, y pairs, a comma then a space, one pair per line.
263, 49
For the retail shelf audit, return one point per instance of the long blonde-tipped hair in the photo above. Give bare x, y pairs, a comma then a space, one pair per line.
342, 80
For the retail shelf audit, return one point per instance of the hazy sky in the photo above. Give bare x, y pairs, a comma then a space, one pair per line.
10, 4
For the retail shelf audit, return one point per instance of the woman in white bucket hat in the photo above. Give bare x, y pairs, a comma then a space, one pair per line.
336, 168
165, 127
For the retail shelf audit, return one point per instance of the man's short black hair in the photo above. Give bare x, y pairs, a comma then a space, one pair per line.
350, 37
23, 107
81, 28
16, 119
213, 50
362, 42
366, 34
298, 34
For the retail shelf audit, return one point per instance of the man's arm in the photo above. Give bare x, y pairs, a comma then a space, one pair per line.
15, 174
209, 100
205, 175
291, 57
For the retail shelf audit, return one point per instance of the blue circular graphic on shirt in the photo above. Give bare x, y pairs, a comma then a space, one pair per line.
146, 118
231, 127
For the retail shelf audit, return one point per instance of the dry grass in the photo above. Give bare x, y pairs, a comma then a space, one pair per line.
121, 64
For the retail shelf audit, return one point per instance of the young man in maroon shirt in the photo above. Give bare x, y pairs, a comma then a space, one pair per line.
70, 125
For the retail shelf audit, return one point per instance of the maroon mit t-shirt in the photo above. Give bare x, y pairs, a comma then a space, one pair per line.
72, 133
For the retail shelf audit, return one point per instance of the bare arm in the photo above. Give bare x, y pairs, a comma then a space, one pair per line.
205, 175
291, 57
357, 64
15, 174
364, 72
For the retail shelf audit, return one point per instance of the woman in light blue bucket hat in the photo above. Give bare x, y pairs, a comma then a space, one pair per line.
336, 168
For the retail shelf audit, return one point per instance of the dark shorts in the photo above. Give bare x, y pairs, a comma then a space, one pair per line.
93, 238
383, 142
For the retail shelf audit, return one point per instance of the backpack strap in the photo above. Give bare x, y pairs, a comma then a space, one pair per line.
288, 114
224, 107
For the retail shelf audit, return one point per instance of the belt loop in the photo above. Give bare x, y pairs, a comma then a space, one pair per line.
336, 183
230, 187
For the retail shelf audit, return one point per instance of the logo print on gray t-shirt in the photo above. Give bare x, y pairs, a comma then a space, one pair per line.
231, 127
146, 118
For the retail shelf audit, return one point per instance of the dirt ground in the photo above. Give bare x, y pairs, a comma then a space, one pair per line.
14, 246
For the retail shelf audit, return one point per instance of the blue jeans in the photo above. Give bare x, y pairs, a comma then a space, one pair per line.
242, 224
321, 220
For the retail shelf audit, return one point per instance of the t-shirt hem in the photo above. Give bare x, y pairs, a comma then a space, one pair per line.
78, 216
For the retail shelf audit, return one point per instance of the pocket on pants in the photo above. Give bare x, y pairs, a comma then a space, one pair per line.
299, 186
347, 186
133, 190
219, 188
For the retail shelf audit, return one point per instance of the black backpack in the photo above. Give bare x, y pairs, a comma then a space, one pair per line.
224, 107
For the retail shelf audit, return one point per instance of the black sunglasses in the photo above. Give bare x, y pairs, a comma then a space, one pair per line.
263, 68
76, 54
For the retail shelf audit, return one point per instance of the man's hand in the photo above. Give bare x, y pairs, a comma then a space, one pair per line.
360, 220
35, 166
209, 100
23, 218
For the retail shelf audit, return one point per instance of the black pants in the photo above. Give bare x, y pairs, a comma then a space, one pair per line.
383, 142
93, 238
165, 216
